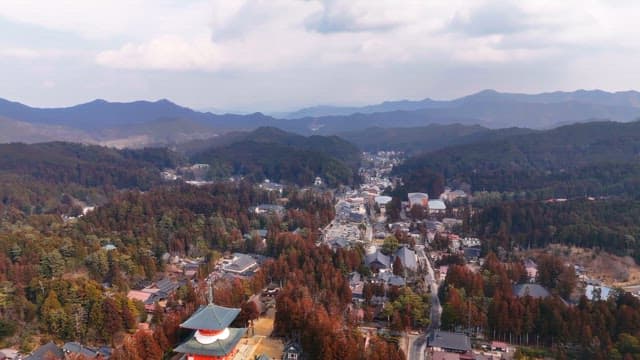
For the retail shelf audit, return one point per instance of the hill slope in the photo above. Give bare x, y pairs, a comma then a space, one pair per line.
280, 156
38, 175
599, 158
426, 138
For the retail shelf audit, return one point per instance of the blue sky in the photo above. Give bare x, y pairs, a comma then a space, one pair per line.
276, 55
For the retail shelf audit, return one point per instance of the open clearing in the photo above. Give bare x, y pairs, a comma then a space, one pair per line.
612, 270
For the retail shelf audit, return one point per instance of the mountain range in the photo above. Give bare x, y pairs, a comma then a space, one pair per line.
147, 123
597, 97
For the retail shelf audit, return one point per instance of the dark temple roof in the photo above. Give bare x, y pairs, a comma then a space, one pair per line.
211, 317
450, 341
47, 351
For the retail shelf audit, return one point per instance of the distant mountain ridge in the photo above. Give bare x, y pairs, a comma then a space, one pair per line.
599, 97
146, 123
400, 105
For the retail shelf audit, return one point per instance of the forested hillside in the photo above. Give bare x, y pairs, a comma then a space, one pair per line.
604, 224
279, 156
412, 140
37, 175
599, 158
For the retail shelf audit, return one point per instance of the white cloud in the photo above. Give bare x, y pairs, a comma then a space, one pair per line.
283, 41
212, 35
261, 35
97, 19
30, 53
164, 52
20, 53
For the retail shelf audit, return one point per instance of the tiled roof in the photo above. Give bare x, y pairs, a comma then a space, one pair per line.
408, 257
396, 281
378, 257
211, 317
77, 348
138, 295
241, 263
449, 340
47, 351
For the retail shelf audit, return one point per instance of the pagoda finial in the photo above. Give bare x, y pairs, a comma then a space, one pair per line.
210, 293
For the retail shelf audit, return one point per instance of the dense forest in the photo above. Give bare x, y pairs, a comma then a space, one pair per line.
610, 225
413, 140
283, 157
58, 281
315, 303
485, 303
590, 159
53, 270
46, 177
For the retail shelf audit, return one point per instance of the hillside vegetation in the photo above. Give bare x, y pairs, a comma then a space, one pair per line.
433, 137
39, 175
599, 158
280, 156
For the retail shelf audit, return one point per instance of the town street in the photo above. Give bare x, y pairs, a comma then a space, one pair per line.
417, 345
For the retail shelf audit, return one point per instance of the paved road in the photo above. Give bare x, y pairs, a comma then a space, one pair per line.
417, 346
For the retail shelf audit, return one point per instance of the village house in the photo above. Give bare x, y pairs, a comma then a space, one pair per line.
448, 342
407, 258
239, 264
292, 351
378, 261
48, 351
436, 207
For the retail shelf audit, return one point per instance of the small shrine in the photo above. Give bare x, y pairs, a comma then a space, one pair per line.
213, 339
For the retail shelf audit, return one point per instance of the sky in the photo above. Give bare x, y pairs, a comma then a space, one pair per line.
279, 55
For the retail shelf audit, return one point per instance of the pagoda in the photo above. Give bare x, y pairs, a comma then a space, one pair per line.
213, 339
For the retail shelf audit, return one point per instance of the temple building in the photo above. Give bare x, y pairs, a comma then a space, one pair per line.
213, 339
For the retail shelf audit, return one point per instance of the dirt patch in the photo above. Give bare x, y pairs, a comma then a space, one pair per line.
612, 270
271, 347
263, 327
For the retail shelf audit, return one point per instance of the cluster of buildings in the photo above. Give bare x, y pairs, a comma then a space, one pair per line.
195, 174
236, 265
434, 206
346, 228
69, 351
355, 220
156, 293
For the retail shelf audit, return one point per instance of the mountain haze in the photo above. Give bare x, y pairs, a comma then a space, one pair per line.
145, 123
599, 97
